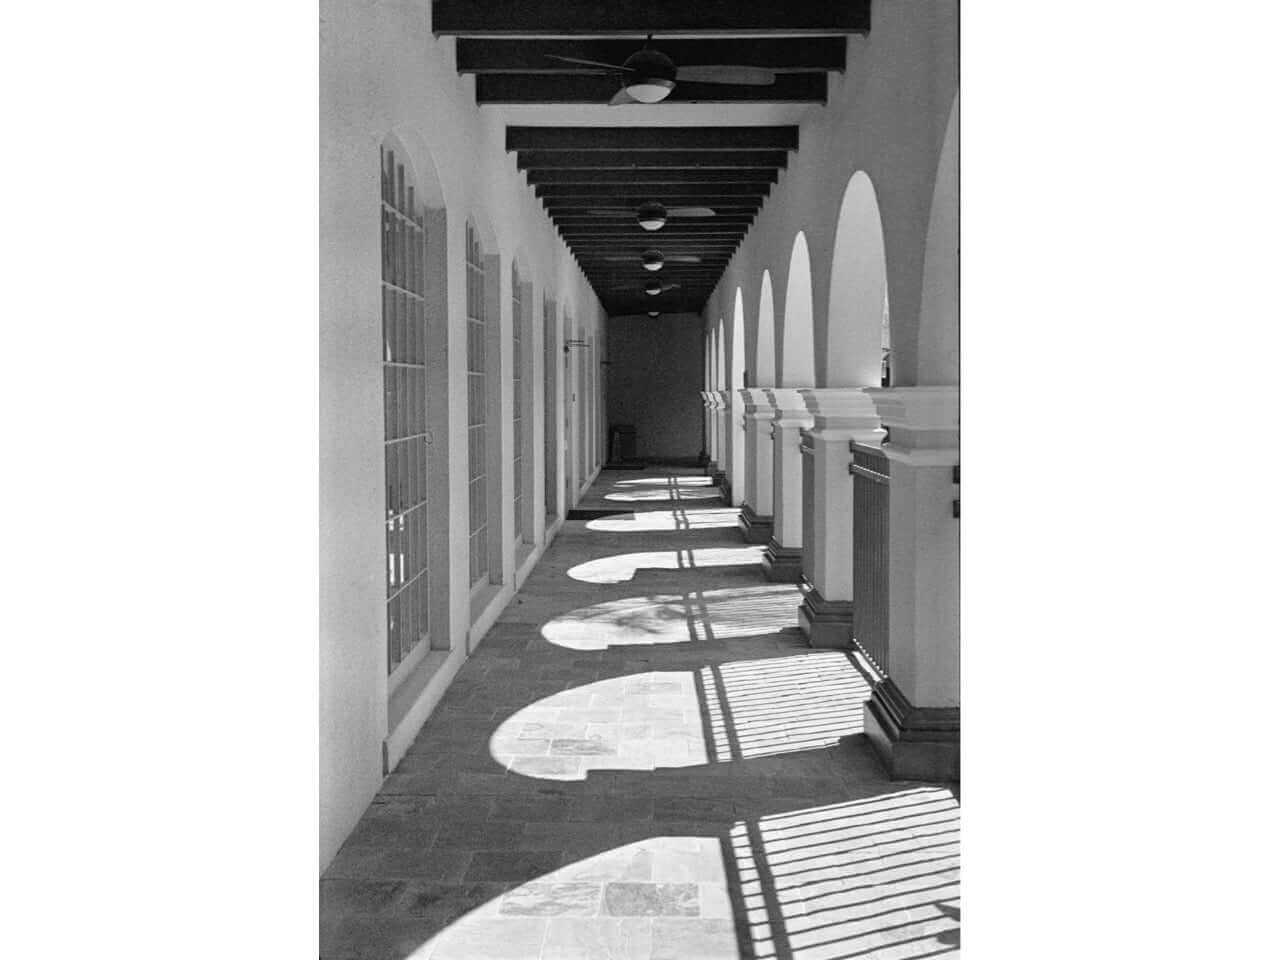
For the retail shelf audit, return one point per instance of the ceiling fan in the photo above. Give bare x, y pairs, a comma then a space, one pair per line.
649, 75
652, 288
653, 260
653, 215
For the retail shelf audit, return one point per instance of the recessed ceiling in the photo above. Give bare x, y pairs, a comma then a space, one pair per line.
719, 146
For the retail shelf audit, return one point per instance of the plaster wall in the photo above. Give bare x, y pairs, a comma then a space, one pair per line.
654, 374
378, 59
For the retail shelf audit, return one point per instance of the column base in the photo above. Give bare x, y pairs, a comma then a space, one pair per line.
827, 623
754, 527
782, 564
914, 743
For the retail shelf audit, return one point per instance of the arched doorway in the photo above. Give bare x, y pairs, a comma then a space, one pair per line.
858, 301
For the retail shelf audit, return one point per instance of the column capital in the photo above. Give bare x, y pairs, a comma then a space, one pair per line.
841, 414
788, 407
755, 404
923, 422
719, 399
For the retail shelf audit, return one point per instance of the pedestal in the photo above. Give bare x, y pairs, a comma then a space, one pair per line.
756, 522
840, 415
913, 716
790, 416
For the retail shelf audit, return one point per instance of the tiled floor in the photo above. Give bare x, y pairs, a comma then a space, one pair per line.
644, 760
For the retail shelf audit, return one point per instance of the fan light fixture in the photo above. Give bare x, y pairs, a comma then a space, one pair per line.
653, 75
651, 216
653, 288
654, 313
652, 260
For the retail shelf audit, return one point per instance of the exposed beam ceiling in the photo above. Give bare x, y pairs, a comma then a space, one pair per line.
715, 145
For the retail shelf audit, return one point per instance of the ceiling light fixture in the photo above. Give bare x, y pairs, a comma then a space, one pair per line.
653, 288
653, 75
654, 313
652, 260
651, 216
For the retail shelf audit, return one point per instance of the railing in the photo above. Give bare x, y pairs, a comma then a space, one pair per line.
870, 469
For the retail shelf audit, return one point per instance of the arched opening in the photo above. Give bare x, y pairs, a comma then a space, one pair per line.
484, 417
857, 327
938, 347
797, 319
737, 370
765, 372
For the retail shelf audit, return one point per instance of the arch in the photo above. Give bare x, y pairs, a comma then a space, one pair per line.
737, 344
419, 163
938, 344
719, 354
859, 290
737, 367
797, 319
766, 374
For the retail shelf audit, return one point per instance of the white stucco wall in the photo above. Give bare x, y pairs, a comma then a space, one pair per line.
378, 63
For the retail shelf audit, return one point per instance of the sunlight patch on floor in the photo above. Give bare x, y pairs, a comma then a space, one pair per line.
707, 518
874, 878
612, 904
623, 567
666, 493
676, 618
665, 482
660, 720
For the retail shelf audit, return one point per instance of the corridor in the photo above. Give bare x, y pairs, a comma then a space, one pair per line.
644, 759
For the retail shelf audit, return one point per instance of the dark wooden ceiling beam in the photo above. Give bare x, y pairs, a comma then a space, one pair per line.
650, 159
653, 138
788, 54
652, 191
578, 18
543, 177
586, 88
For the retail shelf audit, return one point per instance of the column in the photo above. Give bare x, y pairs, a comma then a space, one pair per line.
708, 401
756, 519
840, 415
913, 716
790, 416
716, 467
728, 450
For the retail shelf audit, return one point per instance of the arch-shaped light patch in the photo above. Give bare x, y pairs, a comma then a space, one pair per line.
623, 567
676, 618
650, 520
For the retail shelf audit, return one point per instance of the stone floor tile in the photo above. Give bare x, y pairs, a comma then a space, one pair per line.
516, 865
500, 938
553, 899
373, 938
445, 903
700, 939
629, 899
598, 939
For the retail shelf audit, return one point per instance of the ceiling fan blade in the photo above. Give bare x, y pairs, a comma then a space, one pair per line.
622, 97
683, 259
671, 286
724, 73
690, 212
588, 63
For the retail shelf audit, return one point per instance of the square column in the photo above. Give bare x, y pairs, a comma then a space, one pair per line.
728, 449
841, 415
790, 416
913, 716
756, 520
712, 468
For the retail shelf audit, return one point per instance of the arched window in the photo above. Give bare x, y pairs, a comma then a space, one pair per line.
477, 409
517, 404
404, 407
551, 368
